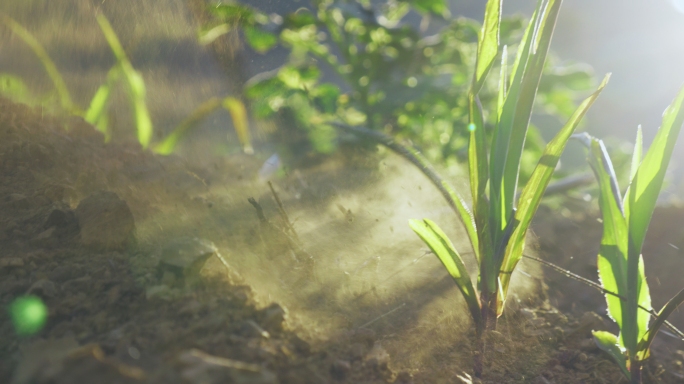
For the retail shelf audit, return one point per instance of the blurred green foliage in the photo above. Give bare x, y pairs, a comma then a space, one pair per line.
388, 74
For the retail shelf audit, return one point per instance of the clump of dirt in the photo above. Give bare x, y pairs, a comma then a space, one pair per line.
347, 298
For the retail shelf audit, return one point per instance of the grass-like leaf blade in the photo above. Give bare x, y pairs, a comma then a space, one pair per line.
488, 46
524, 103
637, 154
238, 114
464, 214
613, 252
168, 145
440, 244
478, 167
96, 111
135, 82
665, 312
48, 64
645, 187
607, 342
533, 191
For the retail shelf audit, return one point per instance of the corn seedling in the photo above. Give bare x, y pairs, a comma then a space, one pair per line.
135, 82
238, 114
96, 113
50, 67
625, 221
499, 221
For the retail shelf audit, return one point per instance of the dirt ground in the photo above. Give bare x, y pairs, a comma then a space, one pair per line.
354, 300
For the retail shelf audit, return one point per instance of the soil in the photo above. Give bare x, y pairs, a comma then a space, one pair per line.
349, 296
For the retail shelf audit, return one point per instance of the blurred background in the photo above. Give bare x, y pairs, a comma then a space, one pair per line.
640, 42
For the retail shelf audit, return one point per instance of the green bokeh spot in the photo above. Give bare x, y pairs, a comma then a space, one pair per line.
29, 315
471, 127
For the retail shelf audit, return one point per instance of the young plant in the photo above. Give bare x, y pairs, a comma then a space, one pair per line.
625, 221
135, 81
50, 67
96, 113
498, 224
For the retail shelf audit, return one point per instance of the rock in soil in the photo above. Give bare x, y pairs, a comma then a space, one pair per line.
183, 259
202, 368
106, 221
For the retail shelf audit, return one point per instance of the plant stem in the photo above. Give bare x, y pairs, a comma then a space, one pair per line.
635, 371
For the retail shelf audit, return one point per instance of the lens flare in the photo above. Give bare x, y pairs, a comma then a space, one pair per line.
678, 4
29, 315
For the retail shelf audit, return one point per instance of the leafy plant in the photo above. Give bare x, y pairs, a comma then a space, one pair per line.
625, 221
136, 85
360, 64
17, 87
96, 113
499, 221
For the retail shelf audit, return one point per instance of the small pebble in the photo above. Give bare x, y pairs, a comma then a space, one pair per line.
340, 369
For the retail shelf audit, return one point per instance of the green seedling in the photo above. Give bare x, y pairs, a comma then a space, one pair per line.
238, 114
499, 221
625, 221
95, 114
136, 84
50, 67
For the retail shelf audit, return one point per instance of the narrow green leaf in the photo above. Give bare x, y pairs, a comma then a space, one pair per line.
533, 191
479, 175
523, 104
665, 312
143, 122
607, 342
526, 42
168, 145
636, 282
14, 88
488, 45
48, 64
613, 253
477, 161
206, 37
503, 83
238, 114
639, 205
440, 244
502, 133
637, 154
464, 214
135, 82
99, 102
648, 180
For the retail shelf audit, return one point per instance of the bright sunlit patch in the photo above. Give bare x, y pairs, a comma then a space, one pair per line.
678, 4
29, 315
471, 127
